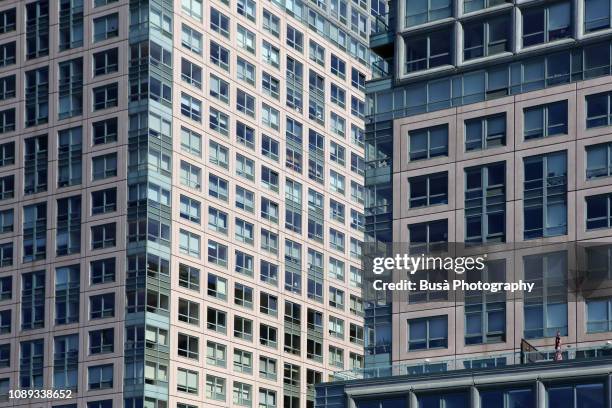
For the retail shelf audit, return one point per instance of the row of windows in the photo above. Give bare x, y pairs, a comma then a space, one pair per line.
539, 23
564, 394
489, 37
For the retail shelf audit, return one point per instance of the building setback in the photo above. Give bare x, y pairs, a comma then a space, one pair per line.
491, 128
181, 200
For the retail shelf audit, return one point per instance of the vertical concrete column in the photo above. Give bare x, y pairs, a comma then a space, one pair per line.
412, 400
474, 397
578, 10
540, 395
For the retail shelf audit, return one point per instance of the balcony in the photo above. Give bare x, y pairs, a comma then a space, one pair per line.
382, 34
432, 366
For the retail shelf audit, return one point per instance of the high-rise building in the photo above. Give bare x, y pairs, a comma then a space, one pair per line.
181, 200
492, 130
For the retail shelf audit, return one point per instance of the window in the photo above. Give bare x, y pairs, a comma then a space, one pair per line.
191, 39
37, 29
189, 312
486, 38
106, 62
105, 131
219, 22
244, 231
191, 141
596, 15
69, 157
7, 220
598, 160
190, 209
423, 11
216, 354
430, 51
358, 79
191, 107
8, 20
598, 212
31, 364
100, 377
218, 154
270, 54
103, 236
70, 92
337, 182
217, 220
215, 388
101, 341
485, 132
218, 122
102, 306
599, 110
102, 271
68, 230
217, 287
35, 166
546, 24
37, 96
217, 187
338, 95
243, 263
270, 117
245, 103
244, 199
295, 39
545, 120
317, 53
216, 320
428, 143
599, 315
187, 381
189, 243
189, 277
357, 107
104, 166
7, 87
247, 8
267, 398
428, 236
485, 312
267, 368
428, 333
191, 175
243, 328
6, 254
7, 187
271, 23
268, 273
192, 8
576, 396
191, 73
219, 55
219, 89
270, 147
245, 71
105, 27
243, 295
243, 361
245, 39
336, 298
188, 346
217, 253
545, 195
545, 307
268, 336
34, 232
338, 66
427, 190
485, 203
7, 154
7, 54
105, 96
